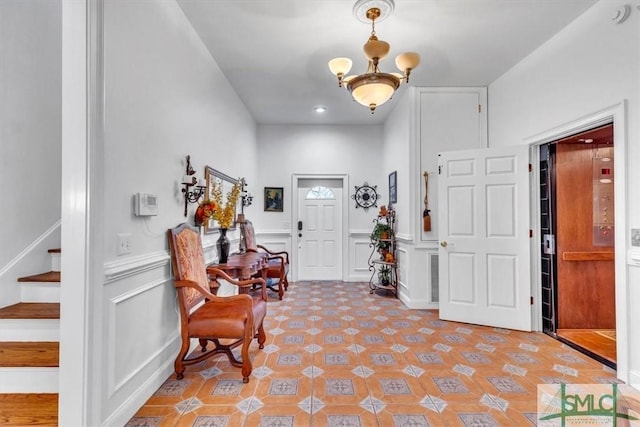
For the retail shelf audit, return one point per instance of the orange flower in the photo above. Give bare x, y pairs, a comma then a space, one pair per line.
204, 211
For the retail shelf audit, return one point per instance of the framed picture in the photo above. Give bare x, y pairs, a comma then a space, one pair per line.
273, 199
215, 177
393, 189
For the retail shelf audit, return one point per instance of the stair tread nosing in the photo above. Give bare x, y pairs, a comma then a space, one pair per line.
49, 277
20, 354
31, 310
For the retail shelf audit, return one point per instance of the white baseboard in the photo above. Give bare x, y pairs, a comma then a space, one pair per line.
121, 415
29, 380
634, 379
417, 304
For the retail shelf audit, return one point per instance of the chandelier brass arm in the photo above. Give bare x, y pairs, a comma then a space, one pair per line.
373, 88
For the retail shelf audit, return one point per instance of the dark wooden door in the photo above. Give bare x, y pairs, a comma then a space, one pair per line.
585, 271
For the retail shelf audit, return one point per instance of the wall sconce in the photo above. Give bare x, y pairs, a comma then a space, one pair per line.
193, 187
246, 197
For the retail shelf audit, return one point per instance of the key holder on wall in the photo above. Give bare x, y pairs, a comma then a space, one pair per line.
426, 218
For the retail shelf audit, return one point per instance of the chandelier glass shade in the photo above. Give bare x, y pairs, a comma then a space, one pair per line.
374, 88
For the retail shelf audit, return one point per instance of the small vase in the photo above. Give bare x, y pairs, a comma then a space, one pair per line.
222, 245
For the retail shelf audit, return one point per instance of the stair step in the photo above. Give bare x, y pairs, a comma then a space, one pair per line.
50, 276
56, 255
40, 292
29, 330
31, 310
19, 354
29, 367
29, 409
30, 322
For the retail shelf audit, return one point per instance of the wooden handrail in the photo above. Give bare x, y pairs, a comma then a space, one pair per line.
588, 256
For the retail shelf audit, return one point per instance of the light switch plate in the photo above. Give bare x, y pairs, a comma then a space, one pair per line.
124, 244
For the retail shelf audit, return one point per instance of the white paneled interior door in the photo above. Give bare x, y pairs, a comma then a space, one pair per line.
319, 229
484, 262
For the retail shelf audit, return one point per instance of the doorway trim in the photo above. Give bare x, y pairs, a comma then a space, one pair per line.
615, 114
295, 181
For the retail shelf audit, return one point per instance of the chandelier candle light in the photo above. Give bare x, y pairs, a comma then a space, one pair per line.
374, 87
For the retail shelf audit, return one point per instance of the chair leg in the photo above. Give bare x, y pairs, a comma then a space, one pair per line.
178, 365
286, 282
246, 361
262, 337
280, 288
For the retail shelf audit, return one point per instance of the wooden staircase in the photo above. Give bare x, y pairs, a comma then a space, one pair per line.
29, 351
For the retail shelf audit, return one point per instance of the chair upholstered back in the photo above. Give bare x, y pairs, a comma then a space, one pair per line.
249, 234
188, 262
278, 261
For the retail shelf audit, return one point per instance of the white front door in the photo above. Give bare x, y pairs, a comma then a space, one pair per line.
483, 211
319, 229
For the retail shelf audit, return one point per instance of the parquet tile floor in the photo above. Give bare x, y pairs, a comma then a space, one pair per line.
337, 355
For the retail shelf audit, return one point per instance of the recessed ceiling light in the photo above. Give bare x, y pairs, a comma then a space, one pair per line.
320, 109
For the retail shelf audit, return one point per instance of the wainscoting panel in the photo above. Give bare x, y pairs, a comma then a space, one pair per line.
359, 252
141, 324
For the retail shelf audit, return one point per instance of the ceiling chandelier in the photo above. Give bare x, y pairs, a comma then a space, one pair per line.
373, 88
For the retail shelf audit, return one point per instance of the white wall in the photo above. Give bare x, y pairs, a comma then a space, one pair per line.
397, 151
165, 97
30, 96
589, 66
353, 150
399, 143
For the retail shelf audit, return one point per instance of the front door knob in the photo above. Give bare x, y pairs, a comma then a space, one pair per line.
443, 243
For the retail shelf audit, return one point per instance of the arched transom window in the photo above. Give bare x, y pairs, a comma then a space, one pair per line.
320, 192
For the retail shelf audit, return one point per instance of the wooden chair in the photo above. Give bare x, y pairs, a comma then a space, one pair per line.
236, 319
278, 261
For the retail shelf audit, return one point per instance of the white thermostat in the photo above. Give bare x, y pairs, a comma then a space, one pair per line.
146, 204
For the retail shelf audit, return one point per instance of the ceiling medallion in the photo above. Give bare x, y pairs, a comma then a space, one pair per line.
361, 8
365, 196
373, 88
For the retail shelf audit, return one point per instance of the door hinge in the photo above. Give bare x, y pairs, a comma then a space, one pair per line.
479, 108
439, 170
530, 167
531, 300
530, 233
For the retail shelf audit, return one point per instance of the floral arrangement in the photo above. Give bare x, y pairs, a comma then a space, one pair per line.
221, 211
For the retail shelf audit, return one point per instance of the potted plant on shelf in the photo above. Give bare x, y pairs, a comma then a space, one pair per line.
384, 275
381, 234
381, 231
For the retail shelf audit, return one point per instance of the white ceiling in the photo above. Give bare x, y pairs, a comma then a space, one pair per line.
275, 52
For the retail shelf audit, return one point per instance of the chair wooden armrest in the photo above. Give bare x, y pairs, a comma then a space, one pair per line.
215, 273
195, 286
272, 255
241, 299
283, 254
